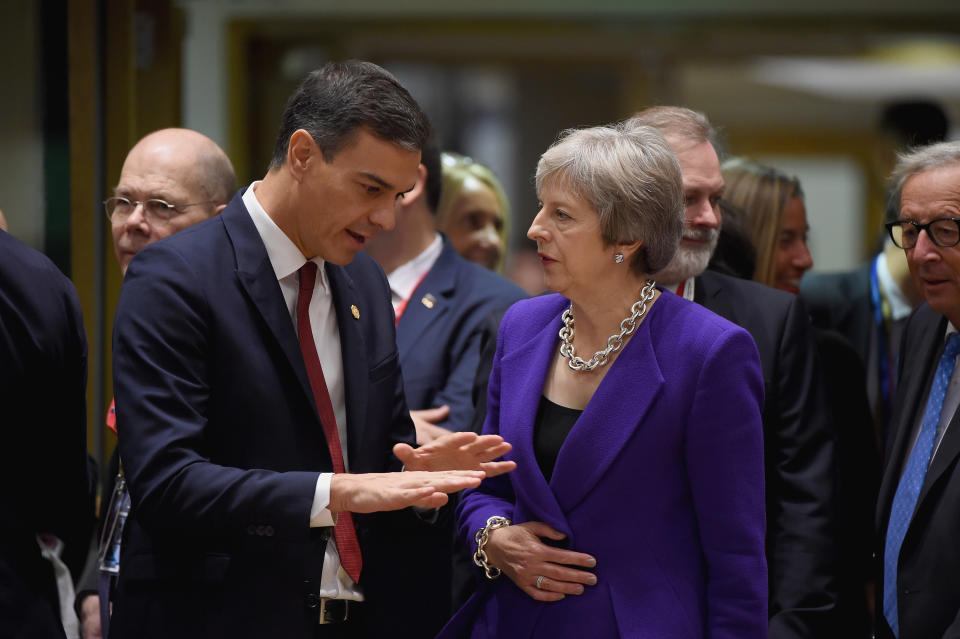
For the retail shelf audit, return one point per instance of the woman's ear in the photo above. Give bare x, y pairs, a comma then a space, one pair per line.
627, 250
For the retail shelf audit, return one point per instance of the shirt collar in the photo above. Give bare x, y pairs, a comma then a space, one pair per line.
899, 304
403, 280
285, 258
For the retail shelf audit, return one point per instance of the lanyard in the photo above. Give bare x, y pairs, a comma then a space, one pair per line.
402, 306
880, 310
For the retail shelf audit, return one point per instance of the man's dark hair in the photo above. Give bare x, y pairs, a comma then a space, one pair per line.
430, 159
341, 97
915, 123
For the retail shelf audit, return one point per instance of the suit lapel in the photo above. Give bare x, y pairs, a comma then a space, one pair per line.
917, 374
259, 281
353, 347
429, 302
615, 411
523, 373
950, 444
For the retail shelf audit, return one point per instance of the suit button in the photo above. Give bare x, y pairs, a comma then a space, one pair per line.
268, 531
313, 600
251, 530
261, 531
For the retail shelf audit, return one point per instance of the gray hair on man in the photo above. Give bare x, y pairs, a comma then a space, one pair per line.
920, 160
631, 177
686, 125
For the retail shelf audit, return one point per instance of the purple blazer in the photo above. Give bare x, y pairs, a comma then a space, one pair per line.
661, 479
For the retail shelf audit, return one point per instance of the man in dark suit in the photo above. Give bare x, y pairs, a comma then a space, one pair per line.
918, 513
259, 394
170, 180
441, 301
799, 446
44, 487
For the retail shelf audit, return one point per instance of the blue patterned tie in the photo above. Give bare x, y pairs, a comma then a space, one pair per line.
908, 490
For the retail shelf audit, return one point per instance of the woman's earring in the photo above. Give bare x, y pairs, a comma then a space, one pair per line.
618, 258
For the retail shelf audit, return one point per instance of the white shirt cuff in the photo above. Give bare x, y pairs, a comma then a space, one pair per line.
320, 515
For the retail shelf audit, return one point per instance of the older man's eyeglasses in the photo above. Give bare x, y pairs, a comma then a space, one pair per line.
154, 211
944, 232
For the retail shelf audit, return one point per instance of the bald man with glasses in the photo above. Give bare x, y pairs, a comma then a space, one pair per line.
170, 180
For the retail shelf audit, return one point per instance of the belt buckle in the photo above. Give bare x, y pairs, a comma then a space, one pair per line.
334, 611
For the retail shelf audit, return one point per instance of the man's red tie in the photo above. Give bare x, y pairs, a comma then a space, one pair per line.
344, 532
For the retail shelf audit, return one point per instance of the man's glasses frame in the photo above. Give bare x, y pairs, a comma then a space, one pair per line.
155, 210
943, 232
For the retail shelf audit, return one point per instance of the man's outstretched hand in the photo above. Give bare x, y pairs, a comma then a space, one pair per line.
374, 492
458, 451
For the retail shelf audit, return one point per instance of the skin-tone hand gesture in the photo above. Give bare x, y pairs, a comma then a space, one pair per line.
458, 451
374, 492
518, 551
426, 420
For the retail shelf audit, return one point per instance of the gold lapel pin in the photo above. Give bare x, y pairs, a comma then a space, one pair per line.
428, 300
355, 311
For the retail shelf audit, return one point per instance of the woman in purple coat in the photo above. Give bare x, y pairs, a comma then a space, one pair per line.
636, 509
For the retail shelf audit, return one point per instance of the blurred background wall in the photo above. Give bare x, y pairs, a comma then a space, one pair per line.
798, 85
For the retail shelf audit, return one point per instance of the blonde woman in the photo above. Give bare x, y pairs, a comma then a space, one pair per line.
473, 211
774, 216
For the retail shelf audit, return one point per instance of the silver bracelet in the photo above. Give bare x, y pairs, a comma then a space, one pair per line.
483, 535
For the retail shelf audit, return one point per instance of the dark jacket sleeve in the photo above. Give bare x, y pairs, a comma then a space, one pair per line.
802, 485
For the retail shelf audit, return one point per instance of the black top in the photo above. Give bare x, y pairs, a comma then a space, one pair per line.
550, 429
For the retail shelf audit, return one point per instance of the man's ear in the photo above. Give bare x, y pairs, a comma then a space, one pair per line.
218, 208
301, 151
418, 189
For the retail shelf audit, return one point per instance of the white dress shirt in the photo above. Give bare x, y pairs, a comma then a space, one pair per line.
404, 279
287, 260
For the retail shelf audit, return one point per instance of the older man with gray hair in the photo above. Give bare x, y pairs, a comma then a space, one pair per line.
799, 446
918, 512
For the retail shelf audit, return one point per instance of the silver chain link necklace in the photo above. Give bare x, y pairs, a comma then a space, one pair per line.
614, 342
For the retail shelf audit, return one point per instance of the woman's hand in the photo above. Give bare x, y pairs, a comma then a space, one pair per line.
518, 551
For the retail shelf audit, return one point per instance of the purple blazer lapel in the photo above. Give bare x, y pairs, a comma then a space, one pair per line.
609, 420
522, 375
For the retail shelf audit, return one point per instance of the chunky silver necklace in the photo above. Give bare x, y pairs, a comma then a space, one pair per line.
614, 342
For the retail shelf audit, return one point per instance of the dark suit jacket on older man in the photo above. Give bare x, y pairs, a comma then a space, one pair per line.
928, 584
222, 444
800, 455
660, 479
44, 486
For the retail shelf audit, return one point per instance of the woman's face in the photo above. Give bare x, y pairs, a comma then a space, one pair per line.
475, 223
571, 249
792, 256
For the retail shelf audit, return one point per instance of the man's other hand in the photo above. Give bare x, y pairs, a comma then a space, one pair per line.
426, 420
458, 451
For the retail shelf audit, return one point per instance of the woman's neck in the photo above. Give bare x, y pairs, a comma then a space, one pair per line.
598, 312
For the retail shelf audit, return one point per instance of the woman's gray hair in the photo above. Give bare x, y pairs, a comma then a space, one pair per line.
919, 160
629, 175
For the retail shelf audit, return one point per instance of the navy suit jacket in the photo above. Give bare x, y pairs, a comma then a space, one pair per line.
928, 583
222, 444
799, 451
43, 458
660, 479
439, 342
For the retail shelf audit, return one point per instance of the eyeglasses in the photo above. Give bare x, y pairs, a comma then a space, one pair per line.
154, 211
944, 232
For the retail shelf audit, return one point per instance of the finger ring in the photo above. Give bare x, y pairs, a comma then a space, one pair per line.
539, 582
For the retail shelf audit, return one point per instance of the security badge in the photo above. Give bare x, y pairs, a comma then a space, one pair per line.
355, 311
